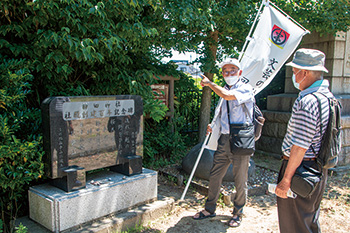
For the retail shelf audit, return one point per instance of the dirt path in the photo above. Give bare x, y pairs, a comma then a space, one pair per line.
260, 213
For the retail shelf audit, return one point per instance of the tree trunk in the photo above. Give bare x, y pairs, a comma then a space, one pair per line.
204, 118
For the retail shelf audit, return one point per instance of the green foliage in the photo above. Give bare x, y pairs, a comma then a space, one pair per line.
140, 228
65, 48
21, 229
20, 148
88, 47
323, 16
163, 143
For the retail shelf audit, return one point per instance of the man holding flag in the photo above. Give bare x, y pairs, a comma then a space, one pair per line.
237, 108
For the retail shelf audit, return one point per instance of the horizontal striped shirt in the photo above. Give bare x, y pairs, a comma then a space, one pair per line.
304, 126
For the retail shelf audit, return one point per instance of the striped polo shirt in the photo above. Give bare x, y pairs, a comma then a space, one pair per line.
304, 126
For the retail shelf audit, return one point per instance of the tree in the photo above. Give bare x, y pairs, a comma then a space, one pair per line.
214, 28
85, 47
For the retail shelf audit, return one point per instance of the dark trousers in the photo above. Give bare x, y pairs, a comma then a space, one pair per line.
222, 160
300, 215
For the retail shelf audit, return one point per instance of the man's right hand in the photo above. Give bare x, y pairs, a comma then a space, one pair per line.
205, 80
209, 129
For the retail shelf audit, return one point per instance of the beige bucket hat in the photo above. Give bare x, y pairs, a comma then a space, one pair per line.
309, 59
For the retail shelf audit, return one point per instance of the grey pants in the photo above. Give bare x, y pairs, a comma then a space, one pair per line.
222, 160
300, 215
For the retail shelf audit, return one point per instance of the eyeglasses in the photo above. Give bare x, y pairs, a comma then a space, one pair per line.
230, 72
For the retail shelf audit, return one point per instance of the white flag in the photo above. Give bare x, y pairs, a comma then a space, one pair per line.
216, 128
273, 42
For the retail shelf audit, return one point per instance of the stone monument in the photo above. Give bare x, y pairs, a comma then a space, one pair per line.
337, 50
83, 134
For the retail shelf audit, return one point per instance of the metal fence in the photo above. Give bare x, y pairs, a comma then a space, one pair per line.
191, 111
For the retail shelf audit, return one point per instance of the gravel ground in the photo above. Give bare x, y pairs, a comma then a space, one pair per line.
260, 212
257, 183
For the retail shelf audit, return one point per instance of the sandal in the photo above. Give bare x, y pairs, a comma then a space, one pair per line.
203, 216
235, 221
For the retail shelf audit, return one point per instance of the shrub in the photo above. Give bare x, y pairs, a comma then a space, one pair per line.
162, 144
20, 148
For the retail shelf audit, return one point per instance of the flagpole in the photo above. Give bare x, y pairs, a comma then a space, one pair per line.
194, 167
200, 154
248, 38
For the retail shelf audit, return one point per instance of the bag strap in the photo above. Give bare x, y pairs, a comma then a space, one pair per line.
247, 112
228, 112
320, 109
245, 109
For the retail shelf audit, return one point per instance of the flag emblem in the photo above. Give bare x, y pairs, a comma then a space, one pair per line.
279, 36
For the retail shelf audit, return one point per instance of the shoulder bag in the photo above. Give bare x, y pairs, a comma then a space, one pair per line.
242, 137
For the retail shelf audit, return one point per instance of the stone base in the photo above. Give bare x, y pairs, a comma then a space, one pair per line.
58, 210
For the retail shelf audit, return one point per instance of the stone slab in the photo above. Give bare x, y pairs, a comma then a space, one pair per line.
58, 210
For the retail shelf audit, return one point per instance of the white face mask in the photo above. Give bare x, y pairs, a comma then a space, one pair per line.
296, 85
230, 80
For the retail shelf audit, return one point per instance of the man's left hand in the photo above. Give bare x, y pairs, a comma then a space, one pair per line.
282, 188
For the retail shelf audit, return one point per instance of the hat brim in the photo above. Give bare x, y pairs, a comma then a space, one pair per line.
313, 68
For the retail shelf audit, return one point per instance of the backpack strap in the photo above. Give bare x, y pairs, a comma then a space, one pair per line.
320, 109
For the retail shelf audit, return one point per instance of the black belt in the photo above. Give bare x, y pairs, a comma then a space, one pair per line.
305, 159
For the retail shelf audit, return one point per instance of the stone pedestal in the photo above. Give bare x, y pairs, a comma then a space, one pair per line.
337, 50
105, 193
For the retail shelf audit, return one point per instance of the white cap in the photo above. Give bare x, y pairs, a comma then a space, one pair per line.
232, 61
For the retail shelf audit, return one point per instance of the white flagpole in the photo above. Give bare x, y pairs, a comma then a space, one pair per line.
199, 155
195, 167
248, 38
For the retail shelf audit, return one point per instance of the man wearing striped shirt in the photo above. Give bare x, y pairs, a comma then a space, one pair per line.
302, 142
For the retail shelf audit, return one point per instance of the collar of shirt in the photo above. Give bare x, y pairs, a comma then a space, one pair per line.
319, 85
